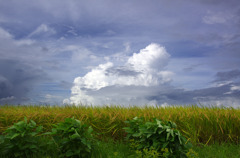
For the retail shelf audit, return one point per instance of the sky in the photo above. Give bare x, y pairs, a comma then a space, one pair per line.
104, 52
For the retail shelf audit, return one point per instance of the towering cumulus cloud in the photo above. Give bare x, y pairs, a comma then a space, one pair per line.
126, 84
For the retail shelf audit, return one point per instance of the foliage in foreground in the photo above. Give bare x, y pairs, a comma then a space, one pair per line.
22, 140
158, 138
70, 138
73, 139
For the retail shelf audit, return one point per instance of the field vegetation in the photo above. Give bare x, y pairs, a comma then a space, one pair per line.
201, 126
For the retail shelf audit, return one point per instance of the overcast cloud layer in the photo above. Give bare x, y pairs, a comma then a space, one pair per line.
120, 52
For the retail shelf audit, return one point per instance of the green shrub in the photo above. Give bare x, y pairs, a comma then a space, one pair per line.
159, 136
21, 140
73, 139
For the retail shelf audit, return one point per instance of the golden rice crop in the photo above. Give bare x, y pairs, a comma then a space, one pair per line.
205, 125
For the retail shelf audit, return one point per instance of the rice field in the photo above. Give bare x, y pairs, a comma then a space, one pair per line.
201, 125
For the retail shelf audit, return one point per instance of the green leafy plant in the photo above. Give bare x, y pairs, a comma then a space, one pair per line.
73, 139
21, 140
157, 135
147, 153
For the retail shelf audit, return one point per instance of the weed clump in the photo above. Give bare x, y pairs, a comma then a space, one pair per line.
157, 138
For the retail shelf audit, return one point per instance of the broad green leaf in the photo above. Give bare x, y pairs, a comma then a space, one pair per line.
171, 131
23, 133
74, 136
136, 134
159, 123
179, 138
33, 123
165, 144
25, 119
90, 130
160, 131
39, 129
168, 134
149, 135
33, 133
15, 135
54, 131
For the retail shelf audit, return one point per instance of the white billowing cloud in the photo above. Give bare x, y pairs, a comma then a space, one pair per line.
143, 69
152, 57
95, 79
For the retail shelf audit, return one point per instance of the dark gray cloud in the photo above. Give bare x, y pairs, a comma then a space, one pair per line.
5, 87
207, 96
166, 95
16, 81
107, 18
228, 75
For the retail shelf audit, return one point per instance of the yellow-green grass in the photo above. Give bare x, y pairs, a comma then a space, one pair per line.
204, 125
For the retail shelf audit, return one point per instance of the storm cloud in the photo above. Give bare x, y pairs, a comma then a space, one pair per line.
228, 75
123, 52
16, 81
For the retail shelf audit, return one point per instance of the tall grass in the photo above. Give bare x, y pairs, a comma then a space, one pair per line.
201, 125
